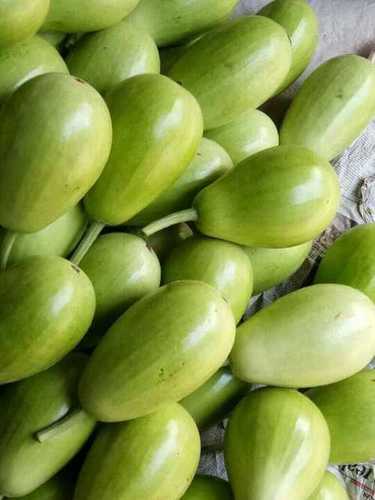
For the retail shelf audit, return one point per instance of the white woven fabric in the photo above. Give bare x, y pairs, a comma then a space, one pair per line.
347, 26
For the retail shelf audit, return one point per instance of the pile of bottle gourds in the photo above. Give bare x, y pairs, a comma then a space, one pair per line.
144, 199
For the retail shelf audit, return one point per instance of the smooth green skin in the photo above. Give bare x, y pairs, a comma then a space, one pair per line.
272, 266
348, 406
122, 269
73, 16
59, 238
210, 163
208, 488
38, 329
333, 106
238, 66
28, 59
157, 128
314, 336
351, 260
164, 241
171, 21
251, 132
29, 406
280, 197
109, 57
57, 488
276, 446
53, 37
153, 457
215, 399
330, 489
221, 264
163, 348
301, 24
20, 20
46, 170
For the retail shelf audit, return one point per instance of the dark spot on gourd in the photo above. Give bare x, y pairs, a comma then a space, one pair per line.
76, 268
338, 316
340, 95
161, 373
79, 80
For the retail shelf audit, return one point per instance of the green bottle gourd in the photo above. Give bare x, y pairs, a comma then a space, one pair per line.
208, 488
328, 122
251, 132
315, 336
219, 263
271, 266
40, 328
55, 38
257, 55
172, 21
276, 446
57, 488
161, 349
215, 399
299, 20
76, 16
351, 260
348, 407
280, 197
59, 238
25, 60
29, 455
157, 128
20, 20
50, 160
106, 58
122, 269
153, 457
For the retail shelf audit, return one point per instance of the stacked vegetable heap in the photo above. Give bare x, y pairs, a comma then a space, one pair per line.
105, 375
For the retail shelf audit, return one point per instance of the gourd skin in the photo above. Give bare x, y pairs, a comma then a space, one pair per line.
330, 489
208, 488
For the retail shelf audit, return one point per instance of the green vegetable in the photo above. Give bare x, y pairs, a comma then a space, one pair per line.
219, 263
106, 58
26, 60
314, 336
348, 406
26, 408
153, 457
163, 348
215, 399
276, 446
300, 22
328, 121
271, 266
208, 488
171, 21
236, 67
72, 16
46, 307
122, 269
280, 197
58, 238
210, 163
351, 260
50, 159
330, 489
20, 20
251, 132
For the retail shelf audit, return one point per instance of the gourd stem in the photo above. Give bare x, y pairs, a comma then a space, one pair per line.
6, 249
188, 215
91, 234
372, 56
59, 427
